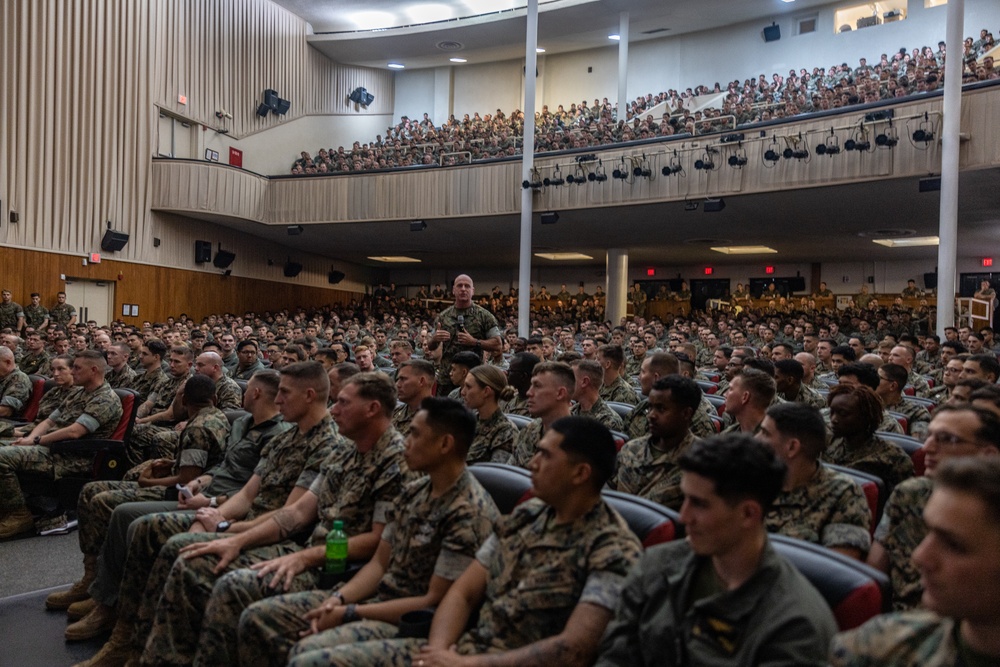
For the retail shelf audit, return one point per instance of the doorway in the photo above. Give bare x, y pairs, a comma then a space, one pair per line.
708, 288
93, 299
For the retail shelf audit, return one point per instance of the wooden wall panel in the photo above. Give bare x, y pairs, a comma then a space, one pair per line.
159, 291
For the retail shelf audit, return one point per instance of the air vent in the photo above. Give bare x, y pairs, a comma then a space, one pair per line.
888, 233
448, 45
656, 31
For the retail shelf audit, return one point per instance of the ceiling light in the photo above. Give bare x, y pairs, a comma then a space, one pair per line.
398, 259
371, 20
395, 66
615, 37
908, 242
788, 1
428, 13
539, 50
744, 250
562, 256
458, 60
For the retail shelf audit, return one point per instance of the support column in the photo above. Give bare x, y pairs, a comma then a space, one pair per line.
623, 66
950, 143
617, 287
527, 161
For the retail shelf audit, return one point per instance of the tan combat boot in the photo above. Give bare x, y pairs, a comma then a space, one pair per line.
17, 522
97, 622
78, 610
63, 599
116, 652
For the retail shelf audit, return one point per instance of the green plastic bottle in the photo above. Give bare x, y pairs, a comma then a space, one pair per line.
336, 549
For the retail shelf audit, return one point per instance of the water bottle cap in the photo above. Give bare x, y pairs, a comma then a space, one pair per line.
338, 524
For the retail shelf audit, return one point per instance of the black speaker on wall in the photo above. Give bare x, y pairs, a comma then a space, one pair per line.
335, 277
202, 252
772, 33
113, 241
292, 269
930, 280
223, 258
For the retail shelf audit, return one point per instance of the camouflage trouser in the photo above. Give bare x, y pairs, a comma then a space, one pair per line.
111, 561
359, 644
231, 595
145, 443
30, 459
186, 589
98, 500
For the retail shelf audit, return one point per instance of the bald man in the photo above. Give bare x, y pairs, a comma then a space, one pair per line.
462, 326
15, 386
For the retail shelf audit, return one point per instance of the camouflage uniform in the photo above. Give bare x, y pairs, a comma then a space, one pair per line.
51, 400
142, 444
62, 313
900, 530
516, 406
898, 640
811, 397
602, 413
35, 364
428, 537
619, 391
356, 487
10, 313
633, 365
876, 457
494, 441
201, 445
919, 384
527, 443
701, 424
478, 322
290, 459
917, 417
122, 379
646, 471
247, 373
940, 393
34, 316
228, 394
401, 418
638, 421
99, 411
830, 510
231, 362
144, 383
15, 390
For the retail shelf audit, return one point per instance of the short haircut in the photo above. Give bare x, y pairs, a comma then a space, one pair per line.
308, 372
975, 384
467, 359
526, 358
846, 351
785, 346
562, 372
591, 369
199, 390
421, 366
759, 384
869, 403
685, 392
372, 386
156, 346
955, 345
297, 350
987, 363
268, 380
988, 431
446, 415
896, 373
182, 351
346, 369
94, 357
978, 476
790, 367
401, 345
866, 374
988, 392
726, 351
248, 342
802, 422
759, 364
121, 347
326, 353
588, 439
664, 363
740, 467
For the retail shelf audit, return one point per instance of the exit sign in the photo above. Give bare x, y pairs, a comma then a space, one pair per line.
987, 261
95, 258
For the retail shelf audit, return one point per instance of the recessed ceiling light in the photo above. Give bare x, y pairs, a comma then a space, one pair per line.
908, 242
744, 250
562, 256
615, 37
398, 259
539, 50
788, 1
458, 60
395, 66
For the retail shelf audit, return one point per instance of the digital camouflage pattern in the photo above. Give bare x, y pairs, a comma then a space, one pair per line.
899, 531
479, 323
527, 442
15, 390
619, 391
494, 441
876, 457
645, 471
898, 640
602, 413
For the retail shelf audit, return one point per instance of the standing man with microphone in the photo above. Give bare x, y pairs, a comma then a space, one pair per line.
462, 326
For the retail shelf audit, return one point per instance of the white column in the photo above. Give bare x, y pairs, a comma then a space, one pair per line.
617, 287
527, 160
950, 142
623, 66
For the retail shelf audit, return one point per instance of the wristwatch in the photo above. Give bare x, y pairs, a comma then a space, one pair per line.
37, 440
351, 613
213, 501
222, 526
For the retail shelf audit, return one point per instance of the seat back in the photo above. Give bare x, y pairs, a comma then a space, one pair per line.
904, 423
854, 591
508, 485
927, 403
38, 388
718, 401
912, 446
707, 387
651, 522
620, 439
520, 421
624, 410
233, 415
242, 385
718, 422
130, 406
873, 488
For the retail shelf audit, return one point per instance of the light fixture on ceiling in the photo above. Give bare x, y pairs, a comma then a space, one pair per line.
745, 250
539, 50
458, 60
396, 66
394, 259
615, 38
908, 242
562, 256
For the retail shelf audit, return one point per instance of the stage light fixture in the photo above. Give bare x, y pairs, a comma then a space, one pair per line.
831, 147
771, 154
737, 161
925, 131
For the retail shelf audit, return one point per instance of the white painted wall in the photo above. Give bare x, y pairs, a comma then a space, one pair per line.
488, 87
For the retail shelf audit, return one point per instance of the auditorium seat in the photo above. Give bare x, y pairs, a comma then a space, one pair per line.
508, 485
233, 415
623, 410
904, 423
873, 488
707, 387
854, 591
520, 421
39, 385
719, 402
718, 423
620, 439
651, 522
927, 403
912, 446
